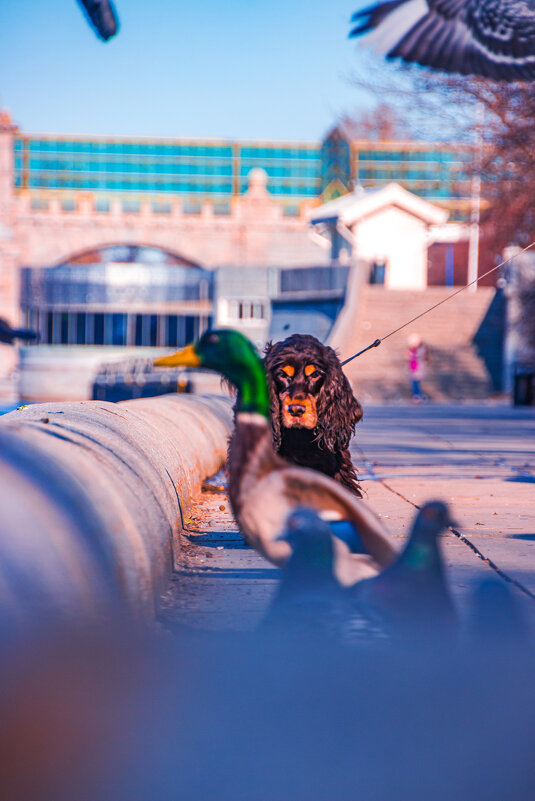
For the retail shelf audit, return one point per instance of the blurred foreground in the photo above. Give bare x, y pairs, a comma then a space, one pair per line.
128, 714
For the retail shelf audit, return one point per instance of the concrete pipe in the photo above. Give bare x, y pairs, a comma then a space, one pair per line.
92, 495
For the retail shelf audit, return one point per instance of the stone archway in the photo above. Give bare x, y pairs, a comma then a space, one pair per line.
128, 252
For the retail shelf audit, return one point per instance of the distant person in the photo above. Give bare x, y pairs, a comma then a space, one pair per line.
416, 358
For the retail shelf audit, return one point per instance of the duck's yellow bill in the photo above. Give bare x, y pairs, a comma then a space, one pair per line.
182, 358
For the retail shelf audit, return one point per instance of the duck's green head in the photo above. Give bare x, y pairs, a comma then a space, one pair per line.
234, 356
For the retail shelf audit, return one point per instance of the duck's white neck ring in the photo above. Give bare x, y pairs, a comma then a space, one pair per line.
252, 418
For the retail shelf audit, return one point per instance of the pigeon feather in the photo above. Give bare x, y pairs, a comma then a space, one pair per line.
491, 38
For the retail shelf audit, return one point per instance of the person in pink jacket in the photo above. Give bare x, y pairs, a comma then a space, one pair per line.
416, 357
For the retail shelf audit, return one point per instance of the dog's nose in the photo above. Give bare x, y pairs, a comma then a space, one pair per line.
296, 409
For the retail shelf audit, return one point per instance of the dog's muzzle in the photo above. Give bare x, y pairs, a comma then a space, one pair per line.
299, 413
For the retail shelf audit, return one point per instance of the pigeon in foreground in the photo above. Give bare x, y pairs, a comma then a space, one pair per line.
308, 598
497, 616
8, 334
491, 38
102, 17
410, 596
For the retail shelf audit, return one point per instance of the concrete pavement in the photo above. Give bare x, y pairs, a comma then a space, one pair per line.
480, 459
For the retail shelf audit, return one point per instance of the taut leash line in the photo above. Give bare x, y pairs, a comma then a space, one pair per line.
440, 302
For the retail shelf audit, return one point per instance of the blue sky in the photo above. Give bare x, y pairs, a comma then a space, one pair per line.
276, 70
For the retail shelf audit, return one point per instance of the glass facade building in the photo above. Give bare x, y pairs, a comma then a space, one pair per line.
438, 173
194, 171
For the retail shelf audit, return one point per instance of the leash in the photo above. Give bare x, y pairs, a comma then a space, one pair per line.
377, 342
493, 566
480, 555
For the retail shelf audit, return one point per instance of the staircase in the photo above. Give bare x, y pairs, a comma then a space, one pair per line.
454, 371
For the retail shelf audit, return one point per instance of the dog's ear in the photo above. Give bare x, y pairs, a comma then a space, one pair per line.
338, 409
275, 404
228, 387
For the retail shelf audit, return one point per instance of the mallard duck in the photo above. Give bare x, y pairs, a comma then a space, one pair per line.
411, 596
263, 488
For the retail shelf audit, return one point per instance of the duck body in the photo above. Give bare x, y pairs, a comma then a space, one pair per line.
264, 489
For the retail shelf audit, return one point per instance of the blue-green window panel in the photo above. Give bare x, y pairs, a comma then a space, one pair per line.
128, 148
259, 152
294, 191
166, 150
440, 156
283, 170
132, 167
435, 168
433, 160
110, 158
403, 175
18, 145
60, 161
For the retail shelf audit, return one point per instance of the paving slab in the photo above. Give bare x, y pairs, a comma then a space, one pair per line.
479, 458
219, 583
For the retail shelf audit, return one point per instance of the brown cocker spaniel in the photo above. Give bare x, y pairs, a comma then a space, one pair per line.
313, 409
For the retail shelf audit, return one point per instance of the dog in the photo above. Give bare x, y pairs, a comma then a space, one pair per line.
313, 409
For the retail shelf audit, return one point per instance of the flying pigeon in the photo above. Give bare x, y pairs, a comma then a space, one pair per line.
410, 596
8, 334
491, 38
102, 17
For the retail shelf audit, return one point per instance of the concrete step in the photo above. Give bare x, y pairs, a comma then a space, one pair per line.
454, 370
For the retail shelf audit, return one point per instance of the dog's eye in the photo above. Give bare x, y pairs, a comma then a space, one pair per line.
310, 370
289, 370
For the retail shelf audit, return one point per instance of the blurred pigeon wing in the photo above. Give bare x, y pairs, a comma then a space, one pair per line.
102, 17
492, 38
8, 334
